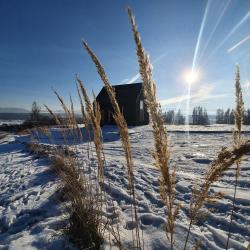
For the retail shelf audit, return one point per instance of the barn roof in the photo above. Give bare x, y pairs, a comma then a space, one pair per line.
124, 93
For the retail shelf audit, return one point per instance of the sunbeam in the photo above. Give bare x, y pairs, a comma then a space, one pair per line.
197, 47
213, 31
238, 44
192, 76
137, 76
235, 28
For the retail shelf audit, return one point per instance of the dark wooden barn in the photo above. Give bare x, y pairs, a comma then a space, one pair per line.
131, 102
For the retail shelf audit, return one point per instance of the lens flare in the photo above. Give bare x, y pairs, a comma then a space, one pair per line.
213, 31
197, 47
191, 77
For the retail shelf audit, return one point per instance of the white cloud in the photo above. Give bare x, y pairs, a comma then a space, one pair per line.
246, 85
204, 93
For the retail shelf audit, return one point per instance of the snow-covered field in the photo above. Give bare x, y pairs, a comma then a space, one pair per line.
30, 218
11, 122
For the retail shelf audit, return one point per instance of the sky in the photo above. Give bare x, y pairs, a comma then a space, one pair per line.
41, 48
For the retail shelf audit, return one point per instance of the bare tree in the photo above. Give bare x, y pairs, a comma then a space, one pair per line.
35, 112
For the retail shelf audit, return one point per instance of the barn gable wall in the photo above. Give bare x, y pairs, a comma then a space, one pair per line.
128, 98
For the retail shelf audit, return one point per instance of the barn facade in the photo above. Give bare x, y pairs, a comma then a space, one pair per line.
131, 101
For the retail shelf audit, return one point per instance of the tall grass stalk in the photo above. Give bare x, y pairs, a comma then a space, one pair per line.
68, 116
94, 113
58, 122
93, 117
85, 227
225, 159
238, 114
85, 119
65, 108
78, 132
161, 152
124, 135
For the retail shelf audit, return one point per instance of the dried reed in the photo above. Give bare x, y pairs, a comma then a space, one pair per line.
95, 116
238, 114
75, 125
85, 119
161, 152
58, 122
85, 227
124, 135
225, 159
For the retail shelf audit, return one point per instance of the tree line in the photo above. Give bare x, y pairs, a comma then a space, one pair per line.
170, 117
200, 116
227, 116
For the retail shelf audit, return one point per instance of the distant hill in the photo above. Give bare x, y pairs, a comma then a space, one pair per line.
13, 110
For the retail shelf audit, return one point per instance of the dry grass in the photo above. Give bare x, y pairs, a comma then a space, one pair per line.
238, 114
93, 112
124, 135
161, 152
84, 193
85, 118
86, 227
76, 129
225, 159
58, 122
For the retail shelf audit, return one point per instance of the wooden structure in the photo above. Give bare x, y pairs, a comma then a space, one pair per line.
131, 101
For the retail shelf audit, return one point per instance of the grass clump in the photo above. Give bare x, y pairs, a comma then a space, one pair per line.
124, 135
94, 115
84, 200
85, 226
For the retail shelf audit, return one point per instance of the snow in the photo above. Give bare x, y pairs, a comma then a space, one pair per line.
30, 218
11, 122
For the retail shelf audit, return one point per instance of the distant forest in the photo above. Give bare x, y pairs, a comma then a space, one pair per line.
200, 117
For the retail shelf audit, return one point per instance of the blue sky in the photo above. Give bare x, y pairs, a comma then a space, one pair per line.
41, 47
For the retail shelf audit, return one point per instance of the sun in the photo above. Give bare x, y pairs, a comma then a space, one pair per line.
191, 76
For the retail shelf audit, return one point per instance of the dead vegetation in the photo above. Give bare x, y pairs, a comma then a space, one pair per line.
86, 227
225, 159
124, 136
161, 152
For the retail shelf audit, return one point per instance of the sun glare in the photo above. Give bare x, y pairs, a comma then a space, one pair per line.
191, 77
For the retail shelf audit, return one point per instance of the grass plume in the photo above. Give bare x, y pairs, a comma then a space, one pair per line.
225, 159
85, 225
238, 114
94, 113
161, 152
124, 135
